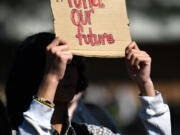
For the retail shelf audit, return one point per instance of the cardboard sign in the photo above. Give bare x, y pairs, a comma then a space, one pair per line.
92, 28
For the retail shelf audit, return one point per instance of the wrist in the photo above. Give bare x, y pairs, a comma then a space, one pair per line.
148, 81
147, 88
51, 78
48, 87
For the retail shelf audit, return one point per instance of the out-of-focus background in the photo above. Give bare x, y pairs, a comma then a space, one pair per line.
155, 26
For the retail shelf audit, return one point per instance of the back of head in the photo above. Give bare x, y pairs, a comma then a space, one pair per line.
26, 75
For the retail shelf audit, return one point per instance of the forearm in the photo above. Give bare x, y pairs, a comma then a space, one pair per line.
47, 91
147, 88
48, 87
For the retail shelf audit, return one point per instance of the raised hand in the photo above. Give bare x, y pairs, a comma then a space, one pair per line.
58, 56
139, 68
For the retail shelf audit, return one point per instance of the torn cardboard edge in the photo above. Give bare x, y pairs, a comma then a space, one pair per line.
60, 30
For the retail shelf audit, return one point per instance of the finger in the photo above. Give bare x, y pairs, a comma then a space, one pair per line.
144, 57
55, 49
136, 55
62, 48
132, 59
62, 41
67, 52
68, 58
129, 55
131, 52
131, 46
145, 54
144, 60
136, 63
57, 41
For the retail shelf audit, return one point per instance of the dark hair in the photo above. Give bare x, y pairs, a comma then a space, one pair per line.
4, 121
27, 73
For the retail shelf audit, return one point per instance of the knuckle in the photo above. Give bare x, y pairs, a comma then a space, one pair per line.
143, 52
61, 57
146, 53
57, 53
150, 59
134, 43
53, 50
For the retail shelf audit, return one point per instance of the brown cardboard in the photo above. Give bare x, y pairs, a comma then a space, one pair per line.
105, 19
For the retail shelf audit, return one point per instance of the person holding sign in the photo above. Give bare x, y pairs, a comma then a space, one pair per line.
58, 72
